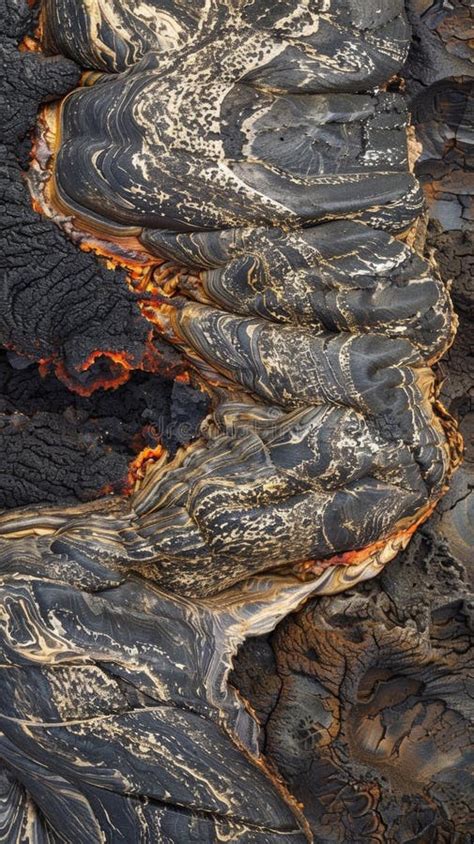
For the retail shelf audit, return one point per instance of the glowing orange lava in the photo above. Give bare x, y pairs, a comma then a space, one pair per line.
152, 281
140, 464
398, 539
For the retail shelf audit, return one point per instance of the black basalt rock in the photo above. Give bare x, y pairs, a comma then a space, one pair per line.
56, 303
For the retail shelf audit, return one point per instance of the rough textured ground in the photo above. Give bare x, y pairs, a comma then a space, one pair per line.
60, 446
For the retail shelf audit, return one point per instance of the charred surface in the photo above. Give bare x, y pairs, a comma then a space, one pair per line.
444, 118
57, 304
61, 447
441, 44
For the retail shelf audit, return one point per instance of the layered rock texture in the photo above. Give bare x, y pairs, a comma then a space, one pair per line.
259, 163
225, 196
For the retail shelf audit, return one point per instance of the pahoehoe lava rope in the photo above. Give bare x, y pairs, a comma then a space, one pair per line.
251, 147
316, 327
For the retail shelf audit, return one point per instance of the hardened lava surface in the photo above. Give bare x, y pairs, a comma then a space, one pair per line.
58, 446
225, 196
364, 699
261, 121
365, 702
343, 45
257, 161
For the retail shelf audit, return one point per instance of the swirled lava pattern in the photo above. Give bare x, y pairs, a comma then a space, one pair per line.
249, 158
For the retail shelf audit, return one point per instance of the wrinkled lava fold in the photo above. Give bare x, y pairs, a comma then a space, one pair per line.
275, 182
239, 180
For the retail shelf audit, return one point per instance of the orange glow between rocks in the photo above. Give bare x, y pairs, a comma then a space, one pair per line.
121, 368
119, 374
140, 464
154, 281
150, 279
352, 558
